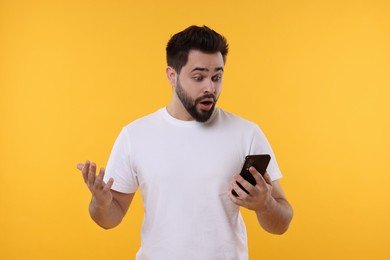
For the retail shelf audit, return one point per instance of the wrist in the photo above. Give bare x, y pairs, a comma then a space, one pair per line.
266, 206
95, 204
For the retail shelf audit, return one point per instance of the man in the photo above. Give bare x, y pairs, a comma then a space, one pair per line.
185, 159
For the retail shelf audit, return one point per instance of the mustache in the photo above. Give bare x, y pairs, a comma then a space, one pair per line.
208, 95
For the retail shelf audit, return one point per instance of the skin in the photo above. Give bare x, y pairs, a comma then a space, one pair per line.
202, 75
267, 199
107, 207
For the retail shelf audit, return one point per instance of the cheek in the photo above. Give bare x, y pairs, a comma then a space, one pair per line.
192, 89
218, 89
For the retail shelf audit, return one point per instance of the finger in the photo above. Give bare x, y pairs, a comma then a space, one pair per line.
85, 171
92, 174
240, 192
234, 199
80, 166
244, 183
108, 186
99, 179
230, 190
267, 178
259, 179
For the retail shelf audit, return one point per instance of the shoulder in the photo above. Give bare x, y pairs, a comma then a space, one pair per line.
235, 120
145, 122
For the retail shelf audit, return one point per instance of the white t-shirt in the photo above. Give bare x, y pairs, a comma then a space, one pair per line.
183, 170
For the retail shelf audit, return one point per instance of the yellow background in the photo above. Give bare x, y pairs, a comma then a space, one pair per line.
313, 74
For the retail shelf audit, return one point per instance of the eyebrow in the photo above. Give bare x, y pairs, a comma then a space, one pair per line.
206, 69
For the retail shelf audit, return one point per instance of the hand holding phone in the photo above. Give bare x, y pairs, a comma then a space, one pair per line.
260, 162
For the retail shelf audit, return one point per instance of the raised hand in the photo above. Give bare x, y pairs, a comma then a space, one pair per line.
101, 191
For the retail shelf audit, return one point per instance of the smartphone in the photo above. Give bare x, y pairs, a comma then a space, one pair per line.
260, 162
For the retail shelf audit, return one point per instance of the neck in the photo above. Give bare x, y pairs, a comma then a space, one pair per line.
177, 110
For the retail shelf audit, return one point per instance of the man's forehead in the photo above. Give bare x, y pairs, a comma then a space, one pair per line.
201, 61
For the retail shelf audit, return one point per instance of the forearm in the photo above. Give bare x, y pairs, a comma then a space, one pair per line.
276, 217
107, 217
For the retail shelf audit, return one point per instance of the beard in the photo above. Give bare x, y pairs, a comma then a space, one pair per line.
190, 104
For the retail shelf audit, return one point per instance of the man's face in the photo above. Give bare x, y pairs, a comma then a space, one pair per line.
199, 84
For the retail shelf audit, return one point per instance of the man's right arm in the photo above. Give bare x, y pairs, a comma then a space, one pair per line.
107, 207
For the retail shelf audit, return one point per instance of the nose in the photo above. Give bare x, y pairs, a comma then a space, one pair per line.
209, 87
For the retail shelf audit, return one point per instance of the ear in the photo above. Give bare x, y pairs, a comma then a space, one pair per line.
171, 75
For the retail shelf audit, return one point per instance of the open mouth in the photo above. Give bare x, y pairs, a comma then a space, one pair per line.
206, 104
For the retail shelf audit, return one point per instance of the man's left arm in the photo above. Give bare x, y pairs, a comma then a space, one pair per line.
267, 199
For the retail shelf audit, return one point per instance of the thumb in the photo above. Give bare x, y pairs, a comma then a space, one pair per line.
80, 166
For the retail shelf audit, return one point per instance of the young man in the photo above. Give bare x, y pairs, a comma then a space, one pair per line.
185, 159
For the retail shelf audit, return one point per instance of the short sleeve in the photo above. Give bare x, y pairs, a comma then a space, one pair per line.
119, 166
260, 145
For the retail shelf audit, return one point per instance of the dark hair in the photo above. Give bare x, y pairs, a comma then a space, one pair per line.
194, 37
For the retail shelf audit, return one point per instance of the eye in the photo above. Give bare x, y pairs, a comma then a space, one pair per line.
198, 78
217, 77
